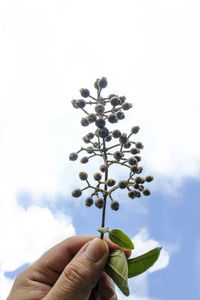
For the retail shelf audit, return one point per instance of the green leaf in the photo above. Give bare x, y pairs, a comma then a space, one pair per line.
117, 269
140, 264
103, 229
121, 239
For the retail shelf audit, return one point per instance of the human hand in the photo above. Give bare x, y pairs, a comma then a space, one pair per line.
68, 271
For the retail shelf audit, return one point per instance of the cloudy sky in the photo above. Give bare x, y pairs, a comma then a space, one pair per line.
149, 52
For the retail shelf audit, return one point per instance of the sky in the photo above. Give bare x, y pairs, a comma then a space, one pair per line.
149, 52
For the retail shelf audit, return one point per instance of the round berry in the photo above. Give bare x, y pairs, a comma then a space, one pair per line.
141, 188
102, 83
100, 123
103, 168
120, 115
99, 202
97, 176
76, 193
80, 103
138, 180
91, 118
134, 169
112, 95
123, 138
88, 201
139, 145
112, 118
114, 205
90, 150
138, 157
84, 122
96, 145
96, 84
127, 145
132, 161
118, 154
84, 93
146, 192
114, 101
73, 156
103, 132
135, 129
126, 106
90, 135
134, 151
137, 194
110, 182
122, 99
140, 169
149, 178
86, 139
84, 160
116, 133
109, 138
131, 194
122, 184
99, 108
73, 102
83, 175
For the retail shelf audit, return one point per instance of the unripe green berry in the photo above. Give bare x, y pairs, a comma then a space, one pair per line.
84, 122
91, 118
126, 106
88, 201
146, 192
120, 115
135, 129
139, 145
99, 202
84, 93
132, 161
149, 178
134, 151
84, 160
100, 123
114, 101
90, 150
73, 156
123, 138
102, 83
97, 176
131, 194
122, 184
118, 155
112, 118
103, 168
114, 205
103, 132
76, 193
80, 103
99, 108
110, 182
83, 175
116, 133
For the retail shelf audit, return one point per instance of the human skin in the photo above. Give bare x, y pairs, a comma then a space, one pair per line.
71, 270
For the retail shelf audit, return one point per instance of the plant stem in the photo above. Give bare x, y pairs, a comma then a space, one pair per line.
105, 188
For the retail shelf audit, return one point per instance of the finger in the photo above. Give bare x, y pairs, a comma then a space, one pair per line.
106, 288
82, 273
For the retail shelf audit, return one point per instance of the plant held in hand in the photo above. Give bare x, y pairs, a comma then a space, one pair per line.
115, 148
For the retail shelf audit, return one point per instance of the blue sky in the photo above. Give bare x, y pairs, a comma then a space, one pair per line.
149, 52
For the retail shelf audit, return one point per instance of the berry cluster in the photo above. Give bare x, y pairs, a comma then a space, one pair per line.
124, 151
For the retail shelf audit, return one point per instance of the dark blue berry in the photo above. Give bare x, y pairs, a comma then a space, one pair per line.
100, 123
91, 118
84, 122
73, 156
112, 118
84, 93
116, 133
80, 103
103, 132
120, 115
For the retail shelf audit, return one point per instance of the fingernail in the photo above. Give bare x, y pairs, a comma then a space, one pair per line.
96, 250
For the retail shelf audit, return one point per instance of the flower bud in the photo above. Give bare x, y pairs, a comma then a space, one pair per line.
97, 176
146, 192
83, 175
102, 83
91, 118
84, 122
84, 160
114, 205
110, 182
122, 184
73, 156
100, 123
149, 178
99, 108
135, 129
76, 193
88, 201
80, 103
103, 168
116, 133
99, 202
131, 194
84, 93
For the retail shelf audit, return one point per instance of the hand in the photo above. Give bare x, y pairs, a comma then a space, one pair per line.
68, 271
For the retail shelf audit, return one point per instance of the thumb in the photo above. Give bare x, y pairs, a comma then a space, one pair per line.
82, 274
